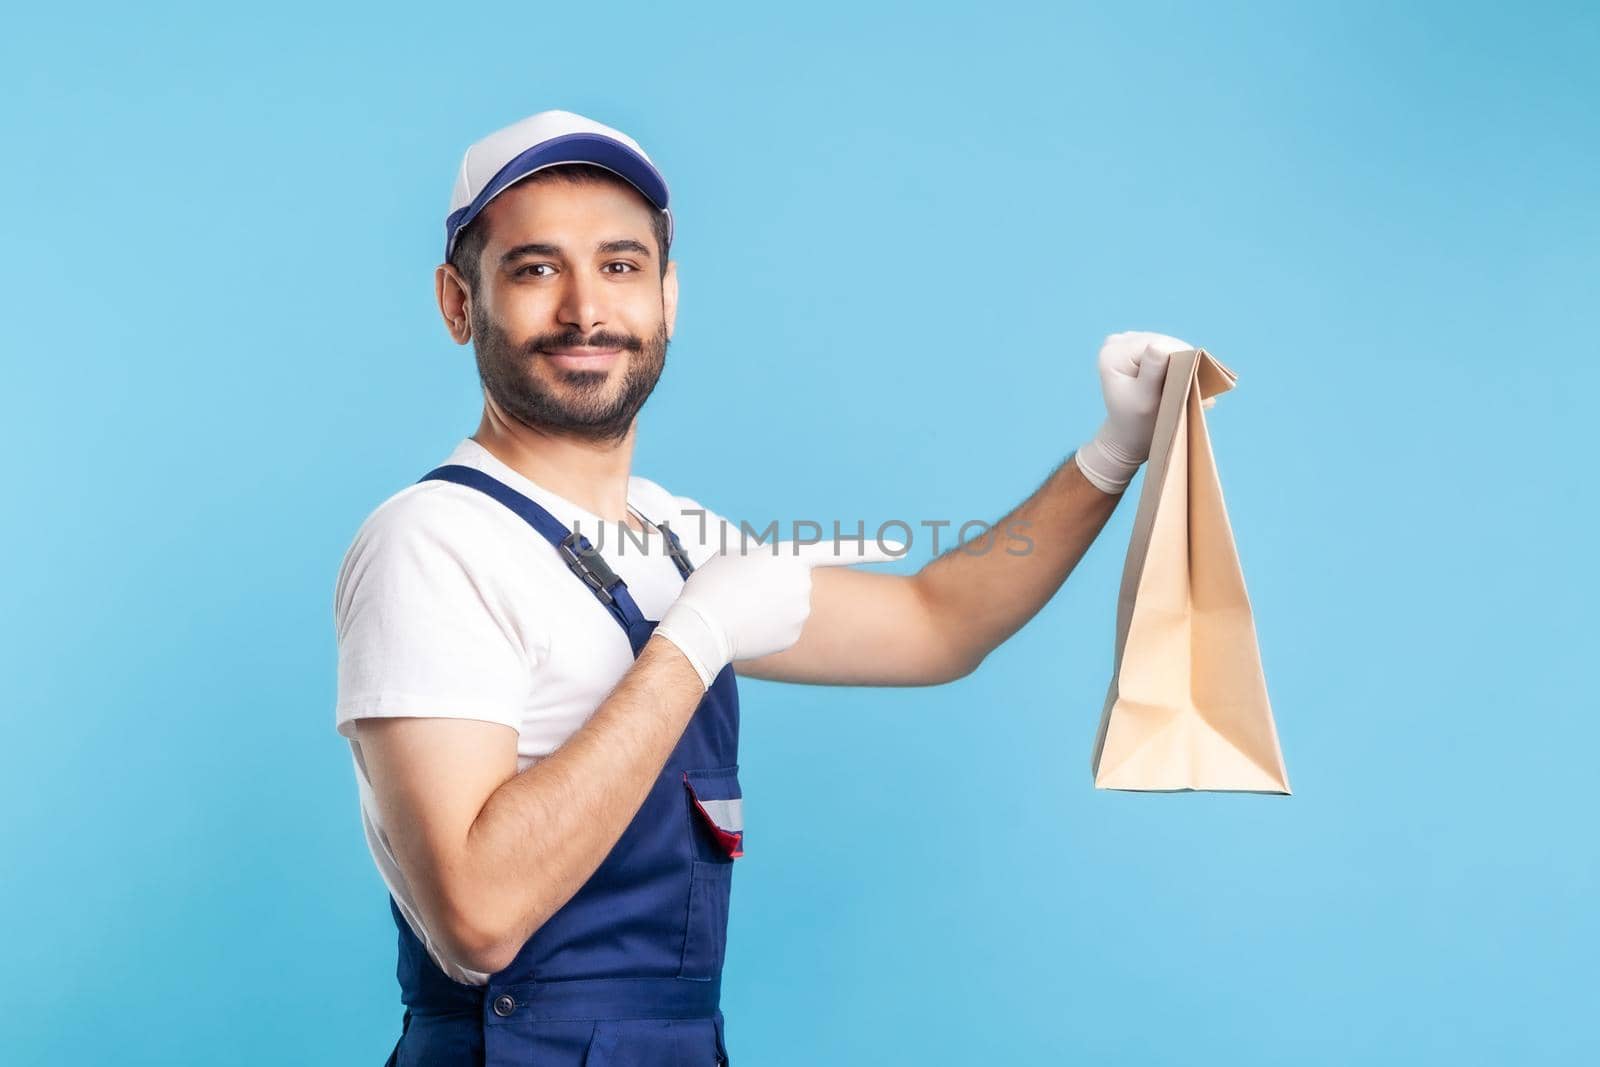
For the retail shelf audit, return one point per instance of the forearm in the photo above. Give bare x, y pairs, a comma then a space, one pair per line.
937, 625
542, 834
983, 591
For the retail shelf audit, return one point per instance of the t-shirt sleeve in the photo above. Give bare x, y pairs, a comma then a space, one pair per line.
421, 628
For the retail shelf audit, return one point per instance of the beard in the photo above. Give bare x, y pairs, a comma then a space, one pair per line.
583, 406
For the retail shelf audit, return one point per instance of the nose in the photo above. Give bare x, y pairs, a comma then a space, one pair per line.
581, 302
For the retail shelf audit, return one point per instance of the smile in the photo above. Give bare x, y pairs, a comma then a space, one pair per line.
583, 358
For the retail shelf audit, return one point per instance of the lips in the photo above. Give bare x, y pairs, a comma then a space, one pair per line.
583, 357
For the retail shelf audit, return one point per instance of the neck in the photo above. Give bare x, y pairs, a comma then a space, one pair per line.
593, 475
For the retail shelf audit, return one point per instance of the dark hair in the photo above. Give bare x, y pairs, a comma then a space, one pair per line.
470, 241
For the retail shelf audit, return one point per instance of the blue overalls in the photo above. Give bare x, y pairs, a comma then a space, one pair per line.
628, 971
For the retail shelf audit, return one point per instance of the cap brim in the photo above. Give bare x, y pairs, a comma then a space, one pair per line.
571, 148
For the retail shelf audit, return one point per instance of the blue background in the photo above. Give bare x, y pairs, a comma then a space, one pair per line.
903, 233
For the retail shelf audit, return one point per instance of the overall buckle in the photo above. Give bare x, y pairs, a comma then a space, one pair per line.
588, 565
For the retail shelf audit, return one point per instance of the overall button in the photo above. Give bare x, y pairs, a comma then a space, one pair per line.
504, 1005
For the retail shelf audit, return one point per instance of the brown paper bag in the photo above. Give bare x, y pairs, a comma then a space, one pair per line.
1187, 707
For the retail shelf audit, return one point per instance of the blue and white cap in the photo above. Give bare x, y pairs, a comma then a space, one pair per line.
508, 155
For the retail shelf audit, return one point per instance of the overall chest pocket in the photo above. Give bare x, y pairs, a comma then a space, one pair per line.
716, 813
713, 809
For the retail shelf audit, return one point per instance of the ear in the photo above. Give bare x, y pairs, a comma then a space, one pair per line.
455, 303
669, 294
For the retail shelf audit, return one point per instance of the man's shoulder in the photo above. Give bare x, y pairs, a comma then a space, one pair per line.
431, 519
432, 507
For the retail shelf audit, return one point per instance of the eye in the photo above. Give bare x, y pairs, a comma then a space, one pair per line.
531, 266
619, 263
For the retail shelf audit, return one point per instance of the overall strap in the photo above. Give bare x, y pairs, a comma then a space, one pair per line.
575, 550
680, 558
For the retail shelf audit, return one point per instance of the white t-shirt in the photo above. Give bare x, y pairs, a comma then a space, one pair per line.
450, 604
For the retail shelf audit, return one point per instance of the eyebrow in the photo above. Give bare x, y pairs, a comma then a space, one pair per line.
536, 248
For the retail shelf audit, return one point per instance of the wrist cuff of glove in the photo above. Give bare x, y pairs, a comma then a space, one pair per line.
700, 642
1107, 466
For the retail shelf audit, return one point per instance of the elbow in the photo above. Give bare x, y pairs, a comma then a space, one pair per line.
962, 666
950, 664
479, 951
484, 956
958, 657
948, 651
477, 941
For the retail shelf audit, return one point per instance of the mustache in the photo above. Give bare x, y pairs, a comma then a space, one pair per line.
546, 342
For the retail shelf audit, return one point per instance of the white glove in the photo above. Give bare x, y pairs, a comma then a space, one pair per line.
753, 600
1133, 368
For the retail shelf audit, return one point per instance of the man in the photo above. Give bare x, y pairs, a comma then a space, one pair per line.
548, 774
